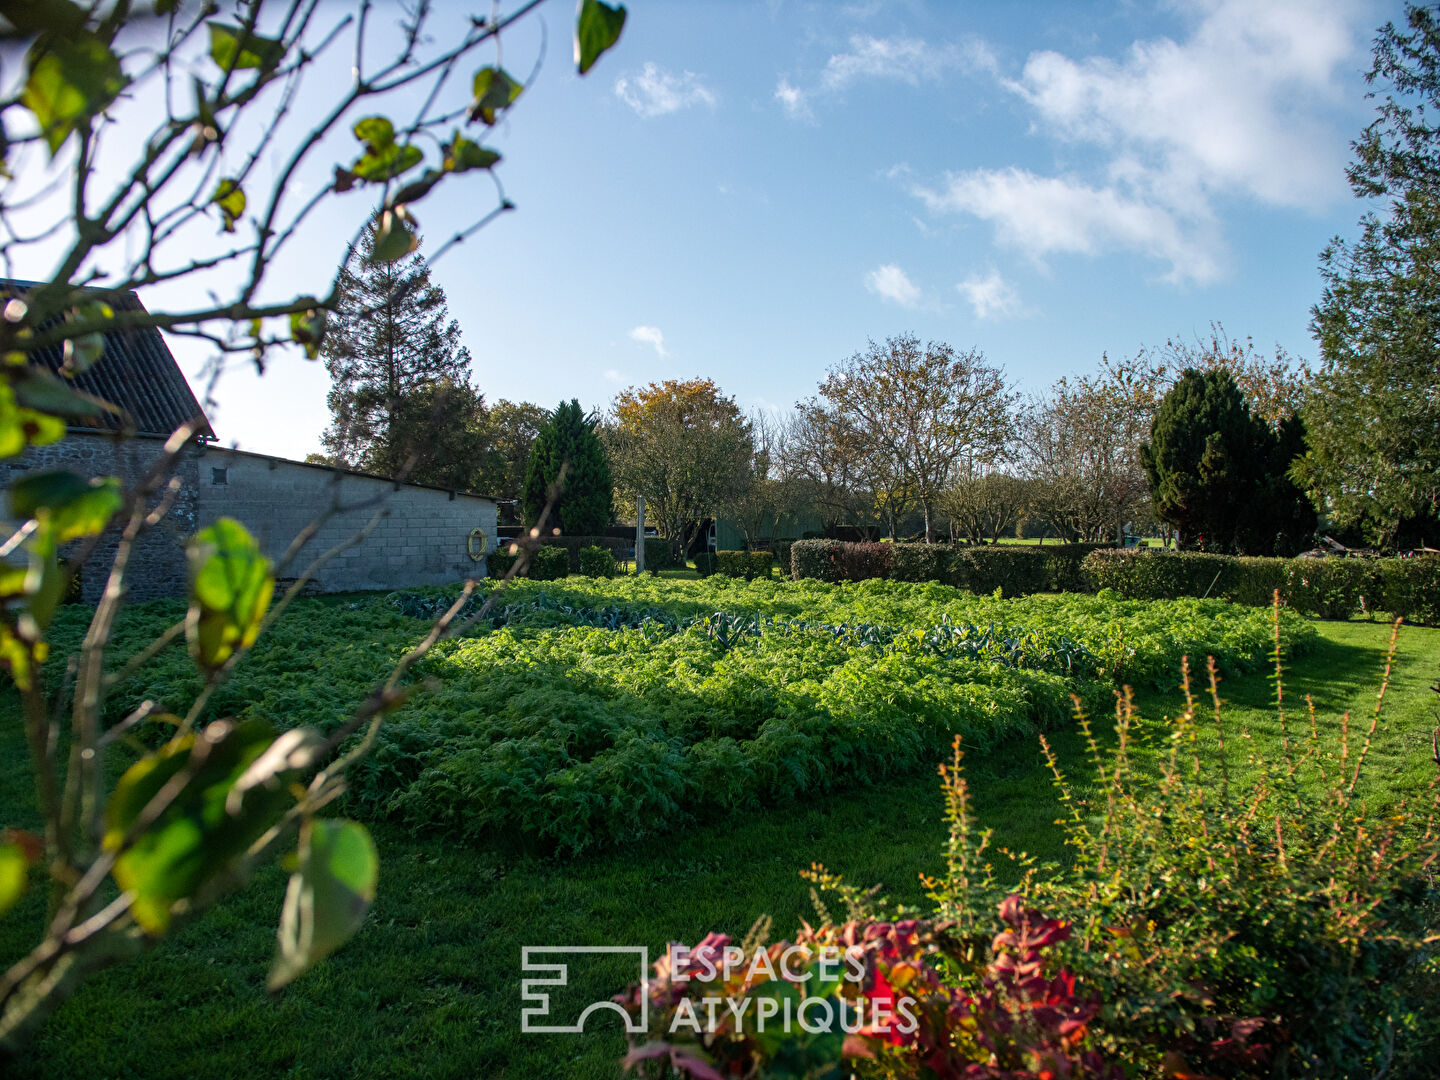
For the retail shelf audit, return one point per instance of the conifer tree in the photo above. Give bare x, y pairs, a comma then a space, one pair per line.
1206, 460
400, 400
569, 442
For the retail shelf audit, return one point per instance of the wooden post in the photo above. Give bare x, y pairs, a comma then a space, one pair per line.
639, 534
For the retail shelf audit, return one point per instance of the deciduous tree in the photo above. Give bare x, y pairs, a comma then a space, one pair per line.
923, 415
683, 445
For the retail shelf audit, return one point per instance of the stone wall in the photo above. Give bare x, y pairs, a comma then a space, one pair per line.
421, 535
157, 564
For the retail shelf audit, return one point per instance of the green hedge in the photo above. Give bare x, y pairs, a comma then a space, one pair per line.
1330, 588
782, 556
1013, 569
597, 562
549, 563
921, 562
1411, 587
816, 559
744, 564
499, 561
659, 553
705, 563
1149, 574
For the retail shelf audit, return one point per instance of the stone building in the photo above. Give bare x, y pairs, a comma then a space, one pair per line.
383, 534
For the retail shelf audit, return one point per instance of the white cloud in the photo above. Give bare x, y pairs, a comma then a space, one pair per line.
1242, 106
613, 375
793, 100
1042, 215
650, 335
892, 283
898, 59
990, 295
907, 60
655, 91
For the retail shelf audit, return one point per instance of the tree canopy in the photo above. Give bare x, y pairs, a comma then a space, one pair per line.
683, 445
1373, 420
400, 400
569, 472
1219, 474
924, 415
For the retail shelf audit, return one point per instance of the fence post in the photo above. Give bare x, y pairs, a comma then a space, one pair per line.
639, 534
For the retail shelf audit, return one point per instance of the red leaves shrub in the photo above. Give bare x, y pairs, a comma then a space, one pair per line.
911, 1000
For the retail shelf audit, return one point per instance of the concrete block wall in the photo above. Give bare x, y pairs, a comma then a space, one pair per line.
156, 566
421, 537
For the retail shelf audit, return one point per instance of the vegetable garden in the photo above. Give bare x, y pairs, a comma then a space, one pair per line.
579, 713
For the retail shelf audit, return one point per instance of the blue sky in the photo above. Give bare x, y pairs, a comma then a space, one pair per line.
750, 191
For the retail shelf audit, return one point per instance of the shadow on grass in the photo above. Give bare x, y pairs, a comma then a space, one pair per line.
430, 986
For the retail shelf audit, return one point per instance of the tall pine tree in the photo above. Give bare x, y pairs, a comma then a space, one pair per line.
401, 402
568, 442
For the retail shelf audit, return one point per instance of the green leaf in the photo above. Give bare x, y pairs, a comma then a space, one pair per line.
69, 505
327, 898
21, 427
596, 29
462, 155
230, 198
231, 585
495, 91
383, 159
375, 167
14, 871
17, 658
376, 132
70, 81
394, 239
307, 328
233, 49
45, 392
204, 827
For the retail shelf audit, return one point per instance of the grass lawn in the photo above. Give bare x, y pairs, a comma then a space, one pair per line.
430, 986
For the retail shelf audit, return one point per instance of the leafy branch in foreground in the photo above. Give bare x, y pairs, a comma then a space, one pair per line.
131, 202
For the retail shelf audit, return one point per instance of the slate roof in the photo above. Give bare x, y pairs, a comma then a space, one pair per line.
136, 373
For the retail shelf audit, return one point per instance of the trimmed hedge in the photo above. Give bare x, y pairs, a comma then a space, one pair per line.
499, 561
1411, 587
618, 547
705, 563
1014, 570
746, 564
659, 553
921, 562
1331, 588
782, 556
549, 563
597, 562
